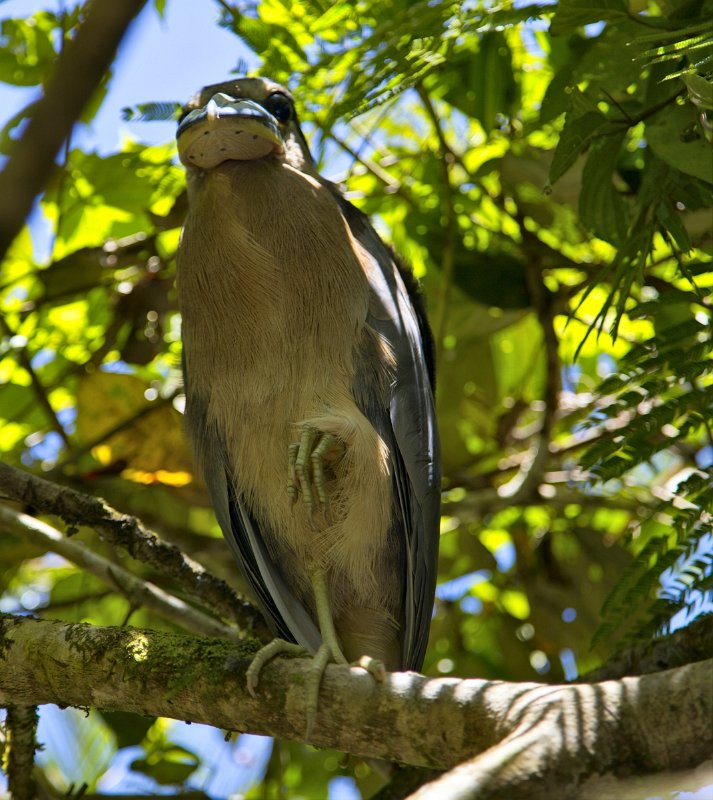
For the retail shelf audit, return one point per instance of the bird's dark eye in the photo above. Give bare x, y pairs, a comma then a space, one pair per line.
279, 106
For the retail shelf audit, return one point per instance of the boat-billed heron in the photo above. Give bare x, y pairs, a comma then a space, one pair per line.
309, 382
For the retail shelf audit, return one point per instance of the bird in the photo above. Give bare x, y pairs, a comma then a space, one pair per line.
308, 370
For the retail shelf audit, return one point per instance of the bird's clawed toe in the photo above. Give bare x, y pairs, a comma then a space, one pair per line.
309, 466
325, 655
374, 666
265, 654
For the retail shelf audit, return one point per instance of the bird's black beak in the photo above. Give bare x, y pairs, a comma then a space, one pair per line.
227, 129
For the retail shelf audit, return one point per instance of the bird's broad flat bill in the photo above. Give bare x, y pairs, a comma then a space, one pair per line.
227, 129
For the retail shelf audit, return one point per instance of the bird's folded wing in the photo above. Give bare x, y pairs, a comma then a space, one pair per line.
283, 612
409, 425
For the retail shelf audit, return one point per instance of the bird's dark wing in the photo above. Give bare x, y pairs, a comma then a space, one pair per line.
408, 425
283, 612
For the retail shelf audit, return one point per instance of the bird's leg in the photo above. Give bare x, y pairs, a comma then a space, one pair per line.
307, 460
324, 615
329, 651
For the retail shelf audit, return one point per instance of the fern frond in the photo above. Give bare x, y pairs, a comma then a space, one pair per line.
151, 112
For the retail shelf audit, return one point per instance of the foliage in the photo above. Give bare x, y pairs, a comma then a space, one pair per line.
546, 170
662, 392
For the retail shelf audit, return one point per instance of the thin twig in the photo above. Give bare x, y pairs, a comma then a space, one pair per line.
234, 13
37, 385
448, 158
394, 186
137, 591
149, 408
128, 533
530, 474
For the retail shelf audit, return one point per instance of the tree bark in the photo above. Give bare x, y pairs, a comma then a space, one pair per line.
78, 71
510, 735
138, 592
18, 759
128, 533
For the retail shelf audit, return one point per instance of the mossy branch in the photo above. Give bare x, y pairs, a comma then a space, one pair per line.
648, 724
121, 530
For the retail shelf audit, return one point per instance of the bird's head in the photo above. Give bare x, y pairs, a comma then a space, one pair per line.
241, 120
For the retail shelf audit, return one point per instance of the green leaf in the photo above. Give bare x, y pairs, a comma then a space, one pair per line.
601, 207
129, 729
694, 42
700, 91
571, 14
77, 272
169, 767
494, 279
500, 17
576, 136
17, 401
556, 99
6, 134
481, 84
27, 49
675, 135
670, 219
331, 18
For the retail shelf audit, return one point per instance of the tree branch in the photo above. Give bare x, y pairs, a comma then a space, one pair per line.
692, 643
39, 389
393, 186
128, 533
120, 426
450, 227
137, 591
20, 745
76, 76
512, 729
